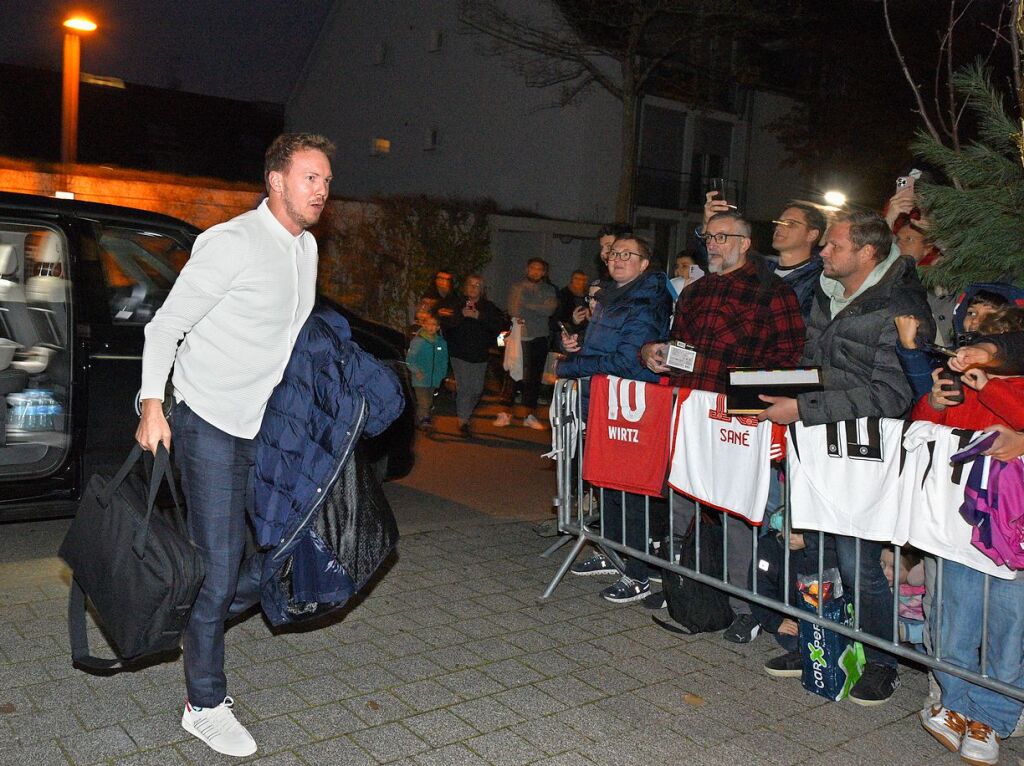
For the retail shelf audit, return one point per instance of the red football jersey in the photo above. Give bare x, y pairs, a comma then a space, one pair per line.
628, 429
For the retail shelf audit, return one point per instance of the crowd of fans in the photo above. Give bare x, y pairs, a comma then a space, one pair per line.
844, 296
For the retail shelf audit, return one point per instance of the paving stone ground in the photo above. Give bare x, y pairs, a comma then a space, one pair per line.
448, 660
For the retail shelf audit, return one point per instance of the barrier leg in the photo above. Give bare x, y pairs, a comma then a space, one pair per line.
564, 568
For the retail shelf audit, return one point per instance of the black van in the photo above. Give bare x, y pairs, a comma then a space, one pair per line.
78, 281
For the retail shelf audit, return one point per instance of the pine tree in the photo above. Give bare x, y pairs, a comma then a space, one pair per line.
977, 219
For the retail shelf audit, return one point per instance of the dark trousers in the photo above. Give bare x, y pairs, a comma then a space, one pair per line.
771, 581
535, 354
216, 473
875, 592
636, 534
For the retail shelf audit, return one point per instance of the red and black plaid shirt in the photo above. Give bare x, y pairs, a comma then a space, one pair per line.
740, 319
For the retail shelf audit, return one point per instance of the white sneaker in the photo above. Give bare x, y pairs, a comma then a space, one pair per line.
980, 746
947, 726
218, 728
530, 421
502, 419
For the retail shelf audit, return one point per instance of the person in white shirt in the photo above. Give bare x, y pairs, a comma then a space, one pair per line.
227, 328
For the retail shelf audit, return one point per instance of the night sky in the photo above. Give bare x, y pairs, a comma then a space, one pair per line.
244, 49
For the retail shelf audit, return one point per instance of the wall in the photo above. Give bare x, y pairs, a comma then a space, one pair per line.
200, 201
497, 137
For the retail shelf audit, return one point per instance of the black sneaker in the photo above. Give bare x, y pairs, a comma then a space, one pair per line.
655, 600
626, 591
464, 431
788, 665
597, 564
876, 685
743, 630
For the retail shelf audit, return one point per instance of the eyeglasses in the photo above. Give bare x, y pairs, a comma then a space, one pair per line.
790, 222
719, 238
622, 255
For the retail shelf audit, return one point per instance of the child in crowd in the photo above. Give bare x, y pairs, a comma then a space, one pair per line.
917, 362
428, 362
970, 718
912, 591
771, 582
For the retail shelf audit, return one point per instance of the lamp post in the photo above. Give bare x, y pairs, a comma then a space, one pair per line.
69, 98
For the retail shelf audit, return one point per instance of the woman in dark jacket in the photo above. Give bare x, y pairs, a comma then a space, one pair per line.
471, 329
631, 310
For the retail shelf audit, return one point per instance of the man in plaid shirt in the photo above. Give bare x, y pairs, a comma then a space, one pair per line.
739, 315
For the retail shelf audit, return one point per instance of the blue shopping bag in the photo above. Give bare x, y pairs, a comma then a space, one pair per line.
833, 663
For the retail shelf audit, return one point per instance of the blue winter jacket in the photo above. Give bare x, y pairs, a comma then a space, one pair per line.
623, 321
804, 281
332, 392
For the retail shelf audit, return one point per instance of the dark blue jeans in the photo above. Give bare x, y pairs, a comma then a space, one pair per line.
216, 473
875, 592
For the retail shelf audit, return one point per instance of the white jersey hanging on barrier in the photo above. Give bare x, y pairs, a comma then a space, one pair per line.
628, 427
931, 494
845, 477
721, 460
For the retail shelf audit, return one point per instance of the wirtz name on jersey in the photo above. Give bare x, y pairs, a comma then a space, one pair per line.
618, 433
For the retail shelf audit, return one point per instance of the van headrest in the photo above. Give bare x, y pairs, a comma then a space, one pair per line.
43, 247
8, 260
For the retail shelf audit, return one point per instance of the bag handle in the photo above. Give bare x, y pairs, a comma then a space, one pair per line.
80, 655
108, 491
161, 470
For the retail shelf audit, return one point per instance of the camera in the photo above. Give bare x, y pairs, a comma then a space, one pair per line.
965, 339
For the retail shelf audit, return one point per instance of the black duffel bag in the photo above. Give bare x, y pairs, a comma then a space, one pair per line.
134, 561
694, 606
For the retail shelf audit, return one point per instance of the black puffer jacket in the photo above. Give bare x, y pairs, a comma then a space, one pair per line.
856, 350
471, 339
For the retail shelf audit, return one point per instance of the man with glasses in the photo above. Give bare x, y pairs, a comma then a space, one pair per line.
795, 239
739, 315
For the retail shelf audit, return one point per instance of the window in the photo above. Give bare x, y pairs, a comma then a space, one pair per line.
660, 177
380, 147
35, 363
435, 40
431, 139
139, 269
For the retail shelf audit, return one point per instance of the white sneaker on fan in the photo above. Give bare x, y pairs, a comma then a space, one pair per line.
218, 728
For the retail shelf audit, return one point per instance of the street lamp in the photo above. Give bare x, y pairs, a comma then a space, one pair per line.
69, 99
835, 199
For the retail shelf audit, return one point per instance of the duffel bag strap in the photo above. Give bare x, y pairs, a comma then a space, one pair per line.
80, 655
161, 470
122, 473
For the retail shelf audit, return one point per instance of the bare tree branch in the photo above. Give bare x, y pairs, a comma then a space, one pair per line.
906, 73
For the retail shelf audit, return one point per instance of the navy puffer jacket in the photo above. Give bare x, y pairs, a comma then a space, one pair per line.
311, 420
626, 318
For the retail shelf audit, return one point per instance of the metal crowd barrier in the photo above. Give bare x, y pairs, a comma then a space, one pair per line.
578, 514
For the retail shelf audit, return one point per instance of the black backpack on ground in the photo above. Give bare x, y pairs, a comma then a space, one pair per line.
696, 607
135, 562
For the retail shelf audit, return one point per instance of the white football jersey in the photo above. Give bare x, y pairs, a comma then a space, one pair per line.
721, 460
931, 494
845, 477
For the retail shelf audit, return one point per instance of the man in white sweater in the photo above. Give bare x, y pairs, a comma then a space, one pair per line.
236, 310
